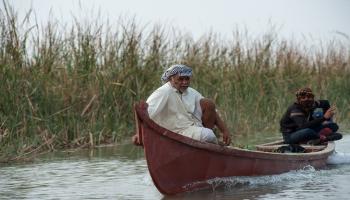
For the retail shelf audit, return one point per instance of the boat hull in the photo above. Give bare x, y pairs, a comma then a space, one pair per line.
178, 164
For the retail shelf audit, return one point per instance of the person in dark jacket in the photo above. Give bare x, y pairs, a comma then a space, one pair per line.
309, 119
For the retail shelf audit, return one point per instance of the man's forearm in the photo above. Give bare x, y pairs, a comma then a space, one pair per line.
220, 124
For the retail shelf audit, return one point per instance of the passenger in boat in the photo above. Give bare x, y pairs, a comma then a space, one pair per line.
183, 110
304, 120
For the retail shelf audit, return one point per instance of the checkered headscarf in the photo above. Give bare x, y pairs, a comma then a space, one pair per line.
303, 92
182, 70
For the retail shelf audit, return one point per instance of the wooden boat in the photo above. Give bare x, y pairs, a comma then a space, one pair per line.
178, 164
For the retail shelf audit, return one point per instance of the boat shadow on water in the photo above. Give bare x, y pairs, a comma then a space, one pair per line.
221, 192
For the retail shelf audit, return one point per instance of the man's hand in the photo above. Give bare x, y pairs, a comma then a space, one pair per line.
226, 137
329, 113
136, 140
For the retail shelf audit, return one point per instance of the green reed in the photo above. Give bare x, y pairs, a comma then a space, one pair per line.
74, 87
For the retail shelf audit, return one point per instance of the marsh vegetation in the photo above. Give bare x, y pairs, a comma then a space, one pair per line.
74, 86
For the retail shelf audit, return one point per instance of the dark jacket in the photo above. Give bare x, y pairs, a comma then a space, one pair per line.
297, 118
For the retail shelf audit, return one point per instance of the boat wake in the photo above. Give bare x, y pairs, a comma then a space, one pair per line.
339, 158
230, 182
341, 154
297, 175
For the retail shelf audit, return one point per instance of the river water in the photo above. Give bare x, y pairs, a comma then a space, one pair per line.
120, 172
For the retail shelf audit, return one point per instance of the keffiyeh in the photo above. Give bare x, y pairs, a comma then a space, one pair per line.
304, 92
183, 70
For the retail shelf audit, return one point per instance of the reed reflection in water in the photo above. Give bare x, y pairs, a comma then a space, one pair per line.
121, 173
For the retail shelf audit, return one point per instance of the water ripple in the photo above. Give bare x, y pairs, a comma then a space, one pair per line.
122, 173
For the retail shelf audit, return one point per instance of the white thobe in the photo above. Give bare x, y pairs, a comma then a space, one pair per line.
180, 113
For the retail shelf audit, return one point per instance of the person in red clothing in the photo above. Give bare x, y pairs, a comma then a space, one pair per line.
309, 119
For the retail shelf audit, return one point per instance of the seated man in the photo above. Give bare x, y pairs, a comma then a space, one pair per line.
181, 109
304, 120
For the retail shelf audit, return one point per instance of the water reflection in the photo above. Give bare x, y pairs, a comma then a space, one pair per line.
223, 193
113, 172
121, 172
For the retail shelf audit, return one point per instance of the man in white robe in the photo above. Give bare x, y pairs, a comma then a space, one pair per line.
181, 109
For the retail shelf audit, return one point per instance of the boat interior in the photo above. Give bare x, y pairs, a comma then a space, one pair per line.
280, 147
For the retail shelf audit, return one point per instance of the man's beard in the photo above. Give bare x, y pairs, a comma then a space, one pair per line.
307, 105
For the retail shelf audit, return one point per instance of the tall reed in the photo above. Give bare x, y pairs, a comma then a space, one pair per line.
69, 87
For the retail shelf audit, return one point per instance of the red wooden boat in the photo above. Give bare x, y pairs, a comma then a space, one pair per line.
178, 164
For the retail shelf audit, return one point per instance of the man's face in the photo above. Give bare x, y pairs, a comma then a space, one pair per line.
181, 83
307, 101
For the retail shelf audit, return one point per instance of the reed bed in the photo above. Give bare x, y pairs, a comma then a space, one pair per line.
75, 86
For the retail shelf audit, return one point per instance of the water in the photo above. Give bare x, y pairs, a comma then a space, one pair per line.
121, 173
